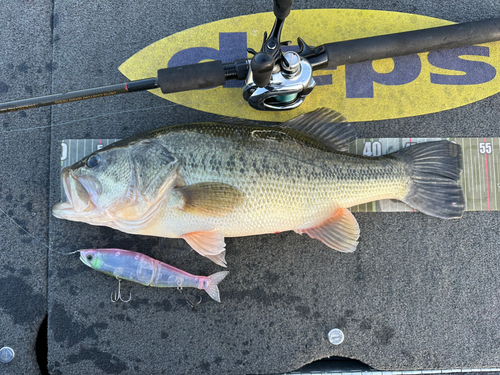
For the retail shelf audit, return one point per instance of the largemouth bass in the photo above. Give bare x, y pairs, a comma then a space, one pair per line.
203, 182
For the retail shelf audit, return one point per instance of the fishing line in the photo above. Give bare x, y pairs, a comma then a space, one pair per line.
33, 236
98, 116
86, 118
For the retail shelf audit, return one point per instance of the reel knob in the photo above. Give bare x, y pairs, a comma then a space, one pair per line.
262, 66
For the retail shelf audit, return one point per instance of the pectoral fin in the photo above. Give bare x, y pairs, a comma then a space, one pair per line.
340, 231
209, 198
208, 244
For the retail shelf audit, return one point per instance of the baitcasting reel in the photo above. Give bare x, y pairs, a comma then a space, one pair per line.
290, 82
277, 80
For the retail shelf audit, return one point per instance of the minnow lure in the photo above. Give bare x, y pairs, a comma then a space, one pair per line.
139, 268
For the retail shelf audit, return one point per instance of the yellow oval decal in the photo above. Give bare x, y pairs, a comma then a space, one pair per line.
384, 89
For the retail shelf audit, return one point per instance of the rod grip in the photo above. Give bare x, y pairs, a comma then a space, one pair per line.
410, 42
191, 77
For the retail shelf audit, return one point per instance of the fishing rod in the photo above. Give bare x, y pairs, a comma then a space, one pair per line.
279, 80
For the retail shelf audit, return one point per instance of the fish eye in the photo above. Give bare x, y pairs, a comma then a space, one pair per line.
89, 257
93, 161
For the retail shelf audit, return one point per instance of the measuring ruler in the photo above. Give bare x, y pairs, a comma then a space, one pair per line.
479, 177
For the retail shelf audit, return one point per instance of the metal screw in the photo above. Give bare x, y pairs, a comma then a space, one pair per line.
336, 336
271, 44
6, 354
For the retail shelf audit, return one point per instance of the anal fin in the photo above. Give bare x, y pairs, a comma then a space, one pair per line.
219, 259
209, 244
340, 231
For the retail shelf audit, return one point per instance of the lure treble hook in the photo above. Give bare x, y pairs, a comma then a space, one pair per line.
189, 300
118, 295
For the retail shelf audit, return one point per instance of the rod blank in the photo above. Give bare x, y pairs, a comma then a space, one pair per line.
73, 96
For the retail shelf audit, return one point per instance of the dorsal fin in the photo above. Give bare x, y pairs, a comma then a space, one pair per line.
326, 126
237, 121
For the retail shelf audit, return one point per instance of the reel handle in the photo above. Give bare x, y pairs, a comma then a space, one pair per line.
282, 8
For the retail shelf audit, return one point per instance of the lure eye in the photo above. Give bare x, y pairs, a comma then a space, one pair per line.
93, 161
89, 257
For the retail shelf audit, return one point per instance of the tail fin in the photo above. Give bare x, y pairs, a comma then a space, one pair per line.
434, 168
212, 289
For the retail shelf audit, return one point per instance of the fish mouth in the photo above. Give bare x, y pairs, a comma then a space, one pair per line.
81, 194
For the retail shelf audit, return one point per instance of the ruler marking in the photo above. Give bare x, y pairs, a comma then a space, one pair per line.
391, 142
75, 156
481, 174
487, 177
475, 168
398, 145
494, 171
384, 152
412, 209
355, 208
480, 177
471, 174
463, 178
405, 142
371, 140
466, 173
491, 168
